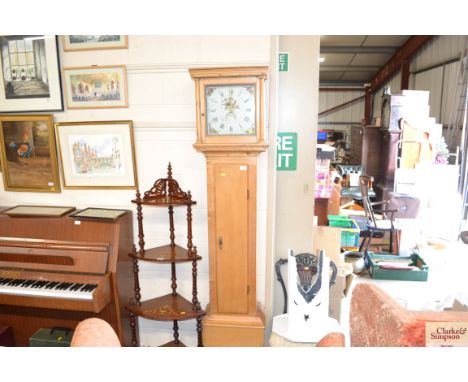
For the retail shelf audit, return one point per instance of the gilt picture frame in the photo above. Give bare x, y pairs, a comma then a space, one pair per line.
28, 153
76, 43
29, 74
95, 87
97, 155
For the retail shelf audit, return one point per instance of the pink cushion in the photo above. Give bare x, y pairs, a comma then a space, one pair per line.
94, 332
332, 340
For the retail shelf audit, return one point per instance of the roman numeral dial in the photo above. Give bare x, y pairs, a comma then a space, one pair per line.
230, 109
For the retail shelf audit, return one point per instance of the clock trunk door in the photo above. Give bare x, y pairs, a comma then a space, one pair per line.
231, 209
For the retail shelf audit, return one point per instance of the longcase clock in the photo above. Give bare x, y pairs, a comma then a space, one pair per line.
230, 133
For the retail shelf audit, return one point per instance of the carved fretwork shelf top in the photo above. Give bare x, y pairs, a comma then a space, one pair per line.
166, 308
167, 254
165, 192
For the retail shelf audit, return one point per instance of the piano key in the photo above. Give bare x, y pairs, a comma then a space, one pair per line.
52, 284
46, 288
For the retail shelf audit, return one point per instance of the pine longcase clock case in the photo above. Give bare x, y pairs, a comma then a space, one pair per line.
230, 134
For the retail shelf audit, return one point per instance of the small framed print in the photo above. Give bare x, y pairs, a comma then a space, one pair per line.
98, 214
28, 153
38, 211
29, 74
95, 87
97, 154
72, 43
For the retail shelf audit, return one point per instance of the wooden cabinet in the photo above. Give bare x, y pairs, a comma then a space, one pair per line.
230, 197
233, 317
376, 149
387, 163
366, 145
171, 307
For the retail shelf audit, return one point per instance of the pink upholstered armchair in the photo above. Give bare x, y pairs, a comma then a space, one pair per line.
94, 332
376, 319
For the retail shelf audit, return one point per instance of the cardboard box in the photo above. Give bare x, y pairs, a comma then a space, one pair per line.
343, 282
328, 239
340, 296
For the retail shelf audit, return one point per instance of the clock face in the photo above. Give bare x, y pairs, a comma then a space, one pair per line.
230, 109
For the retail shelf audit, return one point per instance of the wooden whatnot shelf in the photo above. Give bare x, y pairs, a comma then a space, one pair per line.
166, 254
171, 307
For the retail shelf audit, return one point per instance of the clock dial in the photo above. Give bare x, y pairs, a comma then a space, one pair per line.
230, 109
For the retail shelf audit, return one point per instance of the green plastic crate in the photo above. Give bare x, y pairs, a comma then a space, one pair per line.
350, 237
418, 274
339, 221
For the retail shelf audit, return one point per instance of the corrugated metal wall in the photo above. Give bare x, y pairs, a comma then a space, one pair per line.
441, 82
448, 91
350, 113
438, 50
431, 80
341, 119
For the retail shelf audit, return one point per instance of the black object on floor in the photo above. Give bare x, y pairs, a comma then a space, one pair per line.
464, 236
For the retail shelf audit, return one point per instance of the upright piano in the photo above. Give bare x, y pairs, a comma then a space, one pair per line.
55, 272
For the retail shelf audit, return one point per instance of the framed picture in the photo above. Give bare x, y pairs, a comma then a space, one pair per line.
95, 87
98, 214
97, 154
30, 74
39, 211
73, 43
28, 153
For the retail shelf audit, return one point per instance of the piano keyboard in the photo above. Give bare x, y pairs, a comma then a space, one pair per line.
45, 288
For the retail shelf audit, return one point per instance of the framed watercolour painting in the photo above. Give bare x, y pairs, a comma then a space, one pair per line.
97, 154
73, 43
28, 153
95, 87
29, 74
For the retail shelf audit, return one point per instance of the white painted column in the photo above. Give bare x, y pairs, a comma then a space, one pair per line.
297, 109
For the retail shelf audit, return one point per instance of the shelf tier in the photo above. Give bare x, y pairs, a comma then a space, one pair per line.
165, 201
172, 344
166, 308
166, 254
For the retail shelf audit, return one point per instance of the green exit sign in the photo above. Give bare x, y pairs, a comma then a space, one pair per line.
286, 151
283, 62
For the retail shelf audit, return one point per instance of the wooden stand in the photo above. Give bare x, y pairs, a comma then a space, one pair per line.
171, 307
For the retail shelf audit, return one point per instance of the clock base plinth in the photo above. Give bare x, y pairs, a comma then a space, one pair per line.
234, 330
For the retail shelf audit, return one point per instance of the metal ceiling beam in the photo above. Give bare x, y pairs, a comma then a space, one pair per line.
342, 83
347, 89
340, 106
405, 52
358, 49
345, 68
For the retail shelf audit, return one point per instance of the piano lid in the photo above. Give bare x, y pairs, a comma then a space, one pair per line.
54, 255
